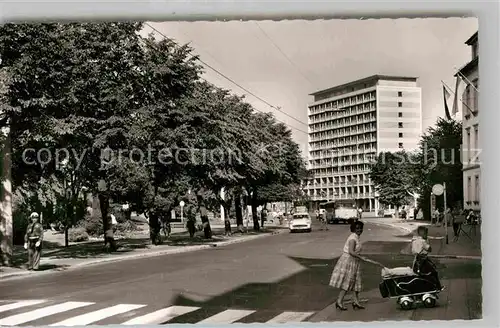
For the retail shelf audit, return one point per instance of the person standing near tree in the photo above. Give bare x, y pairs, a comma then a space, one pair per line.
263, 217
33, 241
109, 238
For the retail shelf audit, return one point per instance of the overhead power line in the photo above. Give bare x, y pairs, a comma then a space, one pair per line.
284, 54
241, 87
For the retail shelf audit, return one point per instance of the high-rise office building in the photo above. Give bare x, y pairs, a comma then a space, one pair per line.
350, 124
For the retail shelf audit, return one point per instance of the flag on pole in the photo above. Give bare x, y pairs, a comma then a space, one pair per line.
446, 95
454, 110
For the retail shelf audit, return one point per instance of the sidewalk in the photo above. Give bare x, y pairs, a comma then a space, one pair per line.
467, 245
92, 253
461, 298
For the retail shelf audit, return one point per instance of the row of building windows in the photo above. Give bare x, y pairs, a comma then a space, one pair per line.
342, 179
353, 110
351, 140
354, 130
358, 168
340, 122
356, 149
334, 160
354, 100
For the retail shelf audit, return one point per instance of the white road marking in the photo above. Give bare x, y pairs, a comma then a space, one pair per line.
161, 316
95, 316
290, 317
19, 304
228, 316
41, 313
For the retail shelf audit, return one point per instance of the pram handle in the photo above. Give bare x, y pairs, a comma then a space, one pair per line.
373, 262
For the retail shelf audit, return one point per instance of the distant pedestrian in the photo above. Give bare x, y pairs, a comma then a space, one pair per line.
436, 216
109, 238
347, 272
457, 219
33, 241
448, 217
403, 214
360, 213
191, 220
263, 217
227, 226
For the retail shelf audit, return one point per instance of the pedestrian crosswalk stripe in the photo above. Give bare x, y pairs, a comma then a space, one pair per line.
95, 316
225, 317
20, 304
18, 319
290, 317
161, 316
22, 314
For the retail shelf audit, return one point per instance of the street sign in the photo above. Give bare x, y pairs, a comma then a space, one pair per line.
437, 189
182, 203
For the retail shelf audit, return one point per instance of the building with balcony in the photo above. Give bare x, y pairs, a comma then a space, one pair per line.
470, 124
349, 125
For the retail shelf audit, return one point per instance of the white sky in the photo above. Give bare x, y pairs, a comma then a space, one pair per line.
325, 53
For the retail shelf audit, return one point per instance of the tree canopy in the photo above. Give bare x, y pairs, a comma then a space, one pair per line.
436, 161
93, 102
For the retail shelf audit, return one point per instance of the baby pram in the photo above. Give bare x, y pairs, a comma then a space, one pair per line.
409, 287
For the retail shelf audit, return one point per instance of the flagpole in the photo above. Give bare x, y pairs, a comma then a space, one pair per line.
466, 79
461, 99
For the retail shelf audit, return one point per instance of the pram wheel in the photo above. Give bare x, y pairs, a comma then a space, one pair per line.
429, 301
406, 303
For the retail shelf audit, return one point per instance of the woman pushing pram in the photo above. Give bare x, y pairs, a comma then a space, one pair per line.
417, 284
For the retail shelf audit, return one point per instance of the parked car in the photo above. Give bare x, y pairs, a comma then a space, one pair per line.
300, 222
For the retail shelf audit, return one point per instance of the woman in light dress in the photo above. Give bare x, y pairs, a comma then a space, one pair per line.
347, 272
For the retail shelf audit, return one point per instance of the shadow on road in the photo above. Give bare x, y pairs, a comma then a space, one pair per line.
308, 290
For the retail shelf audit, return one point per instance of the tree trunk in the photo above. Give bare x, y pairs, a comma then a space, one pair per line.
239, 213
255, 217
396, 213
104, 206
6, 232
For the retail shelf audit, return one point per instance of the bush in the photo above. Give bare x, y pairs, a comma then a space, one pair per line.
77, 235
127, 226
92, 224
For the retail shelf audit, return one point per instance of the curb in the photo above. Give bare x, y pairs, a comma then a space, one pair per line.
173, 251
405, 230
186, 249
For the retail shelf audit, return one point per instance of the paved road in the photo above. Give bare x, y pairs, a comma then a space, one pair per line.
281, 278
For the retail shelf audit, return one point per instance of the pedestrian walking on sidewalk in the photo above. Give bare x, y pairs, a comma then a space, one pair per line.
457, 219
263, 217
109, 239
347, 272
33, 241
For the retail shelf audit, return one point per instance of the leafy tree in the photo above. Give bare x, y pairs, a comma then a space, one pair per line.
439, 161
392, 174
161, 132
74, 86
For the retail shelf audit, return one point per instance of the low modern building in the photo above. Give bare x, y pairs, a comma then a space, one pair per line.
352, 123
470, 123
